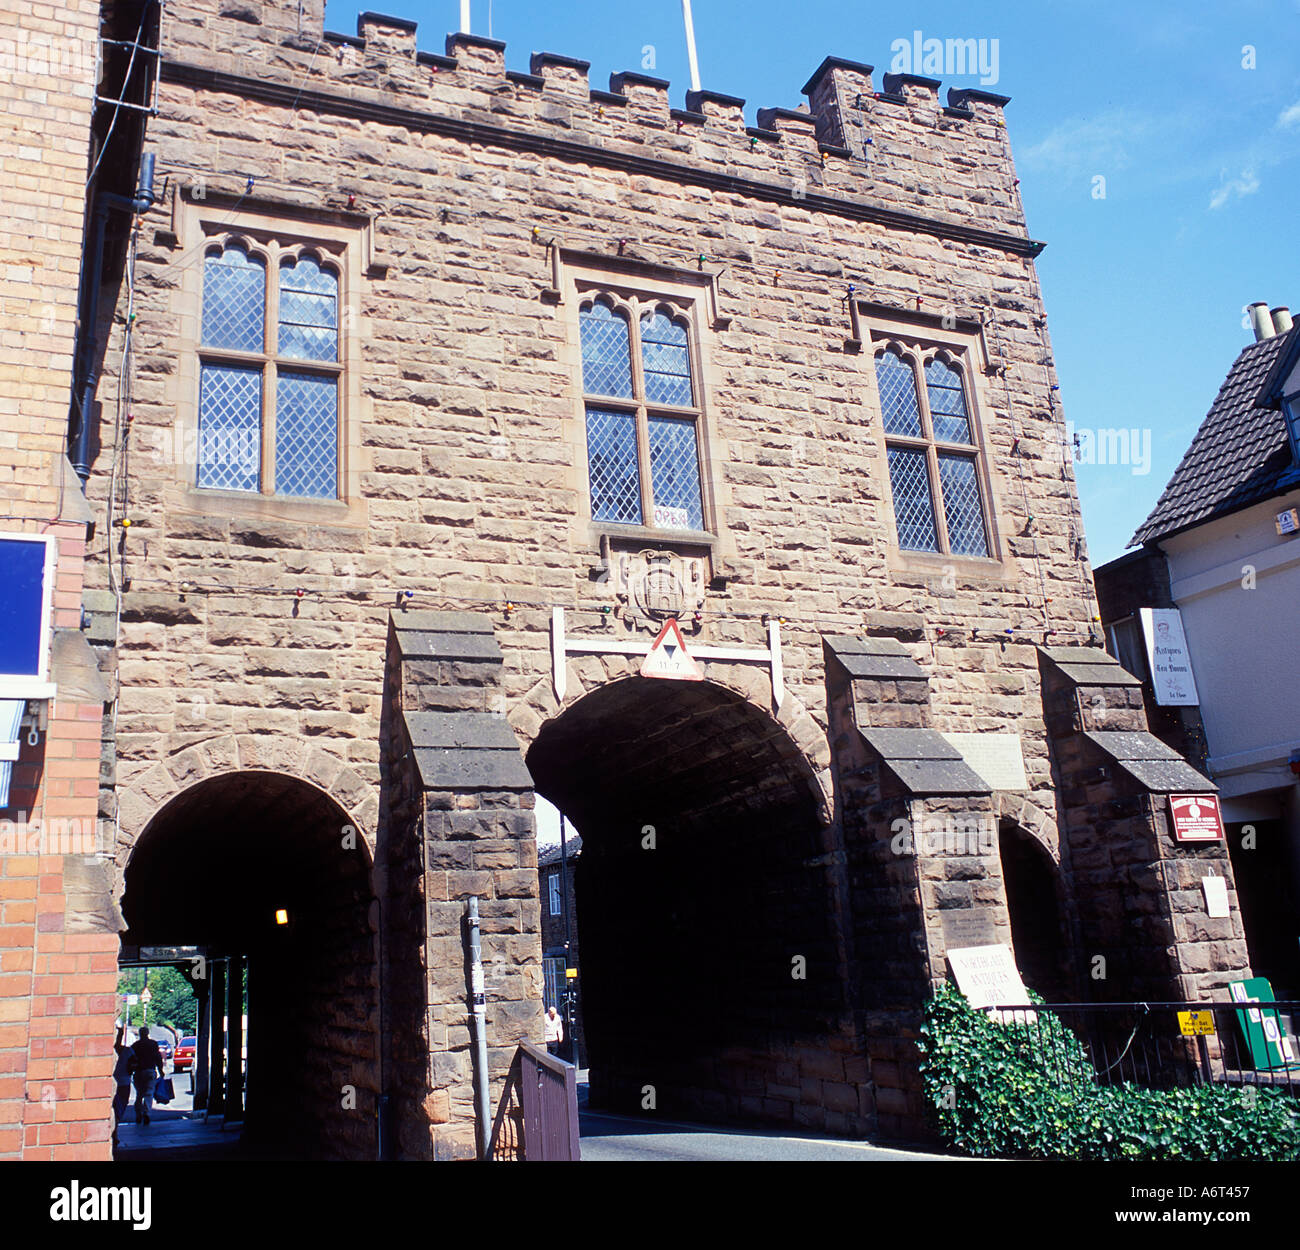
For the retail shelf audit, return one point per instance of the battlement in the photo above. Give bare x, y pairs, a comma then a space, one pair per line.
893, 143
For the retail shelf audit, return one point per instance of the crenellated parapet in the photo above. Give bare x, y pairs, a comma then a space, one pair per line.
890, 143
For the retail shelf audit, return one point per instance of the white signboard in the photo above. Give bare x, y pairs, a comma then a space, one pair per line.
1216, 896
997, 758
1168, 658
988, 976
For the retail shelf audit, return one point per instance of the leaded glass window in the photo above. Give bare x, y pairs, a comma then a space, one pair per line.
960, 487
675, 474
606, 352
934, 471
947, 402
309, 311
612, 466
234, 300
230, 424
268, 411
665, 360
307, 435
643, 418
909, 480
897, 384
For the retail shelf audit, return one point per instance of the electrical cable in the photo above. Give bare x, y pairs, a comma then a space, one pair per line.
555, 235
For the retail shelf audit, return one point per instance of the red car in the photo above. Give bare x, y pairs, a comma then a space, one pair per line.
185, 1050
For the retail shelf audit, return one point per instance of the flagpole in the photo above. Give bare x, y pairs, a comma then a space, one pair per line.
690, 44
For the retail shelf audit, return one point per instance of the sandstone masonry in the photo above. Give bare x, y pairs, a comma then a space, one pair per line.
468, 209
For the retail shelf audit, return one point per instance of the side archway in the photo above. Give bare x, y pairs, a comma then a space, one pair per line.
269, 877
1035, 903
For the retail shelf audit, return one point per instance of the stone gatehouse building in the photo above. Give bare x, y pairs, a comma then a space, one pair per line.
447, 386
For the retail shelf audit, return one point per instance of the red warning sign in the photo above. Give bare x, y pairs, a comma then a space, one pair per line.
669, 658
1196, 817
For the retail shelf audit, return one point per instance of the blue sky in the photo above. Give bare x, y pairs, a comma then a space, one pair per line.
1199, 152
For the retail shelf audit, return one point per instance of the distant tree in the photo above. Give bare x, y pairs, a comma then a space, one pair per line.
172, 998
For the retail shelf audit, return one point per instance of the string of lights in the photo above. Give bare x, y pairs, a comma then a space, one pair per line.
549, 237
400, 599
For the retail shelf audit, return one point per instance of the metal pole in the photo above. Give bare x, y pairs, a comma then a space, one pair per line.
217, 1053
690, 44
235, 1040
567, 1000
478, 1006
464, 17
202, 1047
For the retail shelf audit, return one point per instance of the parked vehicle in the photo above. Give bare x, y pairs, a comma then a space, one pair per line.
186, 1050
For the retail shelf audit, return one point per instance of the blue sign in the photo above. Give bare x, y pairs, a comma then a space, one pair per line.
22, 599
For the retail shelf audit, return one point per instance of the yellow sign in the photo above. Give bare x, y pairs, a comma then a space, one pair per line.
571, 973
1196, 1023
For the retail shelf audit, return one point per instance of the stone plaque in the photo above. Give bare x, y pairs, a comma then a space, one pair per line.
969, 926
659, 585
997, 758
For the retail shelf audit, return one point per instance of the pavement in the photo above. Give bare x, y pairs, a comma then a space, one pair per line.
176, 1134
608, 1138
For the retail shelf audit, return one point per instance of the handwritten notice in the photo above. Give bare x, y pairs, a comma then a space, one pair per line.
988, 976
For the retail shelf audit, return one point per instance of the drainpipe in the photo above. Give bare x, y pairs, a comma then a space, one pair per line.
478, 1004
84, 387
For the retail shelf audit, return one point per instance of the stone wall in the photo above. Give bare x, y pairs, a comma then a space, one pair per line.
464, 200
469, 487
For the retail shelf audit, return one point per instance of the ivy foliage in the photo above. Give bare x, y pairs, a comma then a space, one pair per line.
1016, 1090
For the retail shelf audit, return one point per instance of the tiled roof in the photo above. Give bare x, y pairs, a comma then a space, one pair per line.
1238, 456
547, 855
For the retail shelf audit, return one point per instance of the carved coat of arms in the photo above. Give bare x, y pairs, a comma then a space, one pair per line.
660, 584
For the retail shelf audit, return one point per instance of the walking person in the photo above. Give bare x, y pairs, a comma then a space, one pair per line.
554, 1031
122, 1071
148, 1068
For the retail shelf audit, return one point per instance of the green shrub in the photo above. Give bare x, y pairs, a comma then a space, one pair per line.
991, 1092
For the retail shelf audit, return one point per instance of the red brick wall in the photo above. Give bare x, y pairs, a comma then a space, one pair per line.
56, 987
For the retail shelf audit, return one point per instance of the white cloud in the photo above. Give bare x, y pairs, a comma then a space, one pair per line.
1090, 144
1290, 117
1240, 187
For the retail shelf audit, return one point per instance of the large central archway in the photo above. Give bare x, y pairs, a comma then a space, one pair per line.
713, 980
265, 872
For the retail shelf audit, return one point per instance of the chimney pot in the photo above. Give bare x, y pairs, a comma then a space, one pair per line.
1281, 320
1261, 321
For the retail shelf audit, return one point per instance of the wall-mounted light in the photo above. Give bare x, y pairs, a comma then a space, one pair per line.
281, 916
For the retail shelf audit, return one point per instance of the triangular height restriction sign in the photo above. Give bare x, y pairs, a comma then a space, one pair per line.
669, 658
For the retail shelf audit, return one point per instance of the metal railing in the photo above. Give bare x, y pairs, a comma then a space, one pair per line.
537, 1117
1143, 1043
